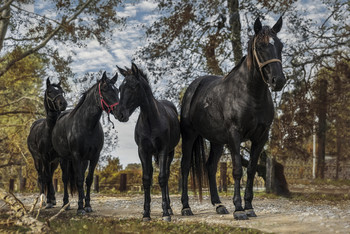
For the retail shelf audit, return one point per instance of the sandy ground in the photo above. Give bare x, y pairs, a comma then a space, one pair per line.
274, 215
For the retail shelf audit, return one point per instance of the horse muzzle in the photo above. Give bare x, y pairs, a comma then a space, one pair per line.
277, 83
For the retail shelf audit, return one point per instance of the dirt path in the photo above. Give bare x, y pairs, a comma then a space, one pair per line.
274, 215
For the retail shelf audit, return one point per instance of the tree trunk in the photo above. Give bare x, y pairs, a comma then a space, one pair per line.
321, 131
4, 22
235, 26
338, 128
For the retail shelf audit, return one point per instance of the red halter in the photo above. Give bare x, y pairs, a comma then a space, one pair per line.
104, 103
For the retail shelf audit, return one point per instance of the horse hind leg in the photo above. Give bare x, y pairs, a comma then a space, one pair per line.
211, 166
79, 178
51, 199
169, 160
89, 180
147, 172
188, 138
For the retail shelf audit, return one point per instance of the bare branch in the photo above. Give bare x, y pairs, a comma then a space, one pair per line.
44, 42
6, 5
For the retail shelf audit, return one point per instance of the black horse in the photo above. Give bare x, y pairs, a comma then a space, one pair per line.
78, 136
230, 110
39, 140
157, 132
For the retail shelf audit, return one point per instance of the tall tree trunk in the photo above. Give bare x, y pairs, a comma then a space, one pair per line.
4, 22
321, 131
338, 126
235, 26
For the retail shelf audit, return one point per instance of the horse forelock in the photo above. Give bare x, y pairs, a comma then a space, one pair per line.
265, 34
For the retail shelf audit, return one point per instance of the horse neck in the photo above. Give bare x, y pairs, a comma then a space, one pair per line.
250, 80
148, 105
89, 112
51, 115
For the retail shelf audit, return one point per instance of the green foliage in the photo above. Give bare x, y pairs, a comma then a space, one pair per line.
21, 104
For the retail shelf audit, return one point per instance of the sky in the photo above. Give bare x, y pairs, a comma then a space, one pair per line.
121, 50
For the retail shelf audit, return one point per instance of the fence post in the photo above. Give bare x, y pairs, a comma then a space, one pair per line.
55, 184
96, 184
22, 185
11, 185
123, 182
270, 172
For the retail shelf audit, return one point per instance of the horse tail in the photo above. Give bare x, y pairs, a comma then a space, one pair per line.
71, 183
198, 165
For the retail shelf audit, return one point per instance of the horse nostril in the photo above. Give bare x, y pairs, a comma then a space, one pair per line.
273, 80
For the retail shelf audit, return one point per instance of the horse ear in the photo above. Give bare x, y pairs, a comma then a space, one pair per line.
104, 76
122, 71
115, 78
257, 26
277, 27
48, 82
134, 69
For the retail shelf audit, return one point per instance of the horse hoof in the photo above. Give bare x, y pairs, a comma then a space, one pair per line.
167, 218
240, 215
170, 211
49, 206
186, 212
88, 209
53, 202
221, 209
146, 219
250, 213
81, 212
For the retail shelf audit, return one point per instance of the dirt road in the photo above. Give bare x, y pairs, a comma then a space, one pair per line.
274, 215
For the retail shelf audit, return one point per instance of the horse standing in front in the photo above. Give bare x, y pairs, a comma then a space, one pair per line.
39, 141
157, 132
78, 136
230, 110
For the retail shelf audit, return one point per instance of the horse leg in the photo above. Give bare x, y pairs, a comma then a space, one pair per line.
169, 160
65, 179
212, 165
88, 182
79, 178
235, 142
188, 138
147, 172
251, 170
162, 179
51, 199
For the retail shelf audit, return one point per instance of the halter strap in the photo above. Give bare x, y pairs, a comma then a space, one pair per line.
261, 65
52, 100
104, 103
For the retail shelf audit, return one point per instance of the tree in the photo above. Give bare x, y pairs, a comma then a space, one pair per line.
21, 103
73, 23
194, 38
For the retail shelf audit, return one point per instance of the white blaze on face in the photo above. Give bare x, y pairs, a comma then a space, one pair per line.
271, 41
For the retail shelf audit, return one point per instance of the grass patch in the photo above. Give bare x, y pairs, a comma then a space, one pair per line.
110, 225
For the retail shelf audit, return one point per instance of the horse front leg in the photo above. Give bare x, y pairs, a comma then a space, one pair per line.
147, 172
51, 199
212, 165
234, 144
64, 164
251, 171
163, 183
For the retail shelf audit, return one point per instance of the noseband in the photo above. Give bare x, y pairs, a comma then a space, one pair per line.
104, 103
52, 100
261, 65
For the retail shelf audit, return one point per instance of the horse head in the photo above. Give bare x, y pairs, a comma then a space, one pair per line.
267, 50
130, 91
108, 93
54, 99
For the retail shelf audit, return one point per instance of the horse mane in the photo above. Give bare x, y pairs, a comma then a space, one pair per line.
236, 67
81, 100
